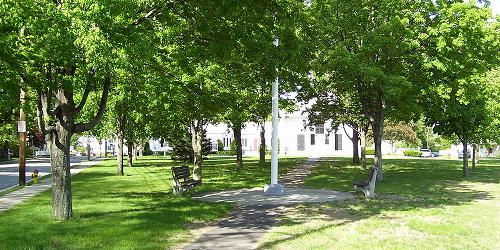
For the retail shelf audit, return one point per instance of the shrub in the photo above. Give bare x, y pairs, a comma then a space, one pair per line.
232, 148
226, 152
413, 153
147, 149
182, 149
370, 151
220, 145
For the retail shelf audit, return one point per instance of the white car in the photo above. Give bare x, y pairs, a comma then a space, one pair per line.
426, 152
41, 153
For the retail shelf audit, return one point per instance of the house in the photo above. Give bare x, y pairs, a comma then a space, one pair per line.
295, 138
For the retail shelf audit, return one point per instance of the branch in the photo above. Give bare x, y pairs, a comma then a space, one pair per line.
350, 137
42, 113
86, 92
81, 127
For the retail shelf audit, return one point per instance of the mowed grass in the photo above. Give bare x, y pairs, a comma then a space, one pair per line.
421, 204
135, 211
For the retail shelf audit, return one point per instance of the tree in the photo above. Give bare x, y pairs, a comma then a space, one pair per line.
370, 46
462, 45
63, 52
182, 150
337, 107
400, 132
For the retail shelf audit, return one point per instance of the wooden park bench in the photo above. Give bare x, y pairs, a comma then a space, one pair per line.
182, 179
368, 186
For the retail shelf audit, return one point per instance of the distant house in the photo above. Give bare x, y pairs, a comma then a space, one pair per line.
294, 137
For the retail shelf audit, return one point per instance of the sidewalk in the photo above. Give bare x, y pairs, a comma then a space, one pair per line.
16, 197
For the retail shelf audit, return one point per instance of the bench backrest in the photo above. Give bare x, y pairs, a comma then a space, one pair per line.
181, 173
372, 174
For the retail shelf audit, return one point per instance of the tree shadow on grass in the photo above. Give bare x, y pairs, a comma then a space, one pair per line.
408, 185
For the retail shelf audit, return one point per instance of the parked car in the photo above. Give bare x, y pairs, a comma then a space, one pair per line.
461, 154
42, 153
435, 154
426, 152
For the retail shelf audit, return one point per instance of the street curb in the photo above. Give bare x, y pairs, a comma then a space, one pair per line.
49, 175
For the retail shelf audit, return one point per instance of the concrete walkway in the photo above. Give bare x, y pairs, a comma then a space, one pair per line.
242, 229
16, 197
256, 213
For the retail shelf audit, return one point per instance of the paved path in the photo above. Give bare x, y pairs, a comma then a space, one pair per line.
242, 229
11, 199
256, 213
9, 171
295, 178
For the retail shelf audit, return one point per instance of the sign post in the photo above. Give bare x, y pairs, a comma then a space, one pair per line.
21, 128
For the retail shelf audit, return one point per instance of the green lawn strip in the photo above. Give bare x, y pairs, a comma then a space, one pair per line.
135, 211
422, 204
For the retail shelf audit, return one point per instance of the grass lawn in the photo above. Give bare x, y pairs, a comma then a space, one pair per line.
421, 204
135, 211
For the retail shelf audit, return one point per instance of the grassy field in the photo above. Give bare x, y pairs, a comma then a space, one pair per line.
135, 211
421, 204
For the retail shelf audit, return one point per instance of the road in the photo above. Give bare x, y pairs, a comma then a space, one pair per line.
9, 172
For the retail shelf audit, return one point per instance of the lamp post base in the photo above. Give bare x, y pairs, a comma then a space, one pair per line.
273, 190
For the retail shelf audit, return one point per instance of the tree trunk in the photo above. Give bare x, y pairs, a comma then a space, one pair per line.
378, 130
474, 156
355, 149
105, 147
119, 154
364, 131
59, 143
239, 152
465, 166
141, 151
134, 152
130, 151
88, 149
262, 147
196, 143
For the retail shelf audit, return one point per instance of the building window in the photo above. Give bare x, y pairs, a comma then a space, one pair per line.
338, 141
327, 139
313, 139
244, 142
320, 129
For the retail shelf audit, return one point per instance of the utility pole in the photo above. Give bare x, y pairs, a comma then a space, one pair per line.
274, 188
21, 128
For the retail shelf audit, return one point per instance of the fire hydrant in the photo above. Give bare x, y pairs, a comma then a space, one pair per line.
34, 176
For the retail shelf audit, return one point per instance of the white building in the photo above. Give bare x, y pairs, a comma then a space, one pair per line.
294, 137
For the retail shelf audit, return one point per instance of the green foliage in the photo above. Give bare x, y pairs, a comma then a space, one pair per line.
232, 148
400, 133
456, 100
413, 153
182, 149
147, 149
220, 145
370, 151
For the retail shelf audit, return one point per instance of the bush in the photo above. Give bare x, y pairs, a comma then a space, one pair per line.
413, 153
220, 145
147, 149
182, 149
226, 152
370, 151
232, 148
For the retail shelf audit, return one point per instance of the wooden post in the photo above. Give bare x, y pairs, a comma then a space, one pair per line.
21, 127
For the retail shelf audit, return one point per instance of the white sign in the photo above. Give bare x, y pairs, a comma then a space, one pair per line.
21, 126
